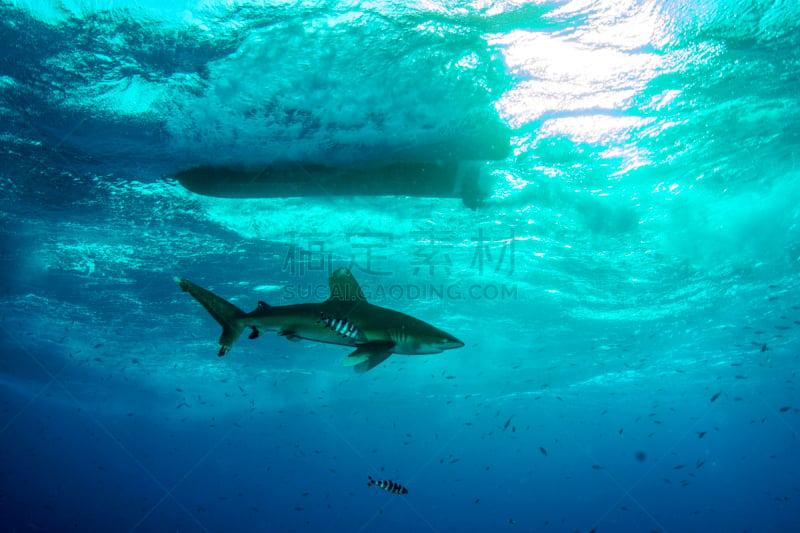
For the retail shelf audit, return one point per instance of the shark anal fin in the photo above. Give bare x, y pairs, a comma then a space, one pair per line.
369, 355
254, 334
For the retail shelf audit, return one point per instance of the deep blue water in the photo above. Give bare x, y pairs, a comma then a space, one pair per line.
626, 286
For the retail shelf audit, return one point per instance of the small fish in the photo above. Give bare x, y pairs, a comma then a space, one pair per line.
544, 452
505, 426
342, 327
784, 409
388, 486
701, 434
714, 398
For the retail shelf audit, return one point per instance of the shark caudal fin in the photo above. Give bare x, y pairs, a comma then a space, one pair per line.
225, 313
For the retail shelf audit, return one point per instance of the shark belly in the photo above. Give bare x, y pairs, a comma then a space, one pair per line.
295, 322
318, 334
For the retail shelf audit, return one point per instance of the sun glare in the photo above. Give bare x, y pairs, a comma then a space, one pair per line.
582, 83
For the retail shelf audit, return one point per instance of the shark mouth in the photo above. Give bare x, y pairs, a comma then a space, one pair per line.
342, 327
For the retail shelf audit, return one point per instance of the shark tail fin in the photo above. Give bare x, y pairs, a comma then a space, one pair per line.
225, 313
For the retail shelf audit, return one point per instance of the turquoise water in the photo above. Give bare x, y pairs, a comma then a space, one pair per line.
624, 274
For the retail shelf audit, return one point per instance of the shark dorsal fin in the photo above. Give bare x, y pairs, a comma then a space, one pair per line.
344, 287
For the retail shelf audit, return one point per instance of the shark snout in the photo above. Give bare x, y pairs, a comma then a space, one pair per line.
450, 342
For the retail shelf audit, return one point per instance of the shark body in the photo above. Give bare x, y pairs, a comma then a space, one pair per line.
345, 318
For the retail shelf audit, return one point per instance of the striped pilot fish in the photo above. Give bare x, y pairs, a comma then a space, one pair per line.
388, 486
342, 326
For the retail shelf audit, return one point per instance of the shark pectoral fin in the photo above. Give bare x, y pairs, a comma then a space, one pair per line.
353, 359
289, 335
372, 362
369, 355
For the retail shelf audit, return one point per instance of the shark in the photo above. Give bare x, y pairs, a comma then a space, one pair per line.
346, 318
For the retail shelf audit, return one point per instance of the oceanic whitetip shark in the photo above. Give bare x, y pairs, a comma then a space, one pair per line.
345, 318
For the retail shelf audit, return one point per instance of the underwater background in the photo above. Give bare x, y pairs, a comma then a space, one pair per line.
626, 282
